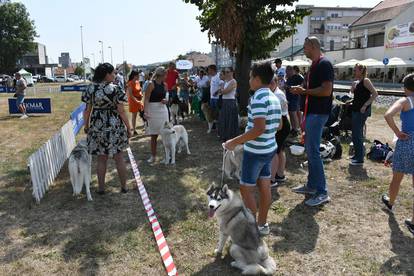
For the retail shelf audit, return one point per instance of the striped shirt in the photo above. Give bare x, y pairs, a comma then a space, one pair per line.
263, 104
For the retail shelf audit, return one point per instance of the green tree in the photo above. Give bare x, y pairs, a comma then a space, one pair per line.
250, 29
79, 71
17, 32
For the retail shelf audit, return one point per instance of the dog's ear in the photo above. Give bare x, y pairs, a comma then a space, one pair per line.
225, 188
211, 189
165, 124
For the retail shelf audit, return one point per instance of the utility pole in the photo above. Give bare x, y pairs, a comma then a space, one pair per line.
112, 60
83, 56
102, 51
94, 64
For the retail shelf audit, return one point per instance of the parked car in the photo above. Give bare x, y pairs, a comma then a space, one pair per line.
69, 79
60, 79
46, 79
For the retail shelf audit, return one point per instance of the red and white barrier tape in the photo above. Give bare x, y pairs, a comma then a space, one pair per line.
156, 228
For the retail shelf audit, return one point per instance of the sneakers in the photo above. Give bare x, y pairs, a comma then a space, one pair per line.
386, 200
24, 116
410, 225
274, 184
280, 178
356, 163
151, 159
304, 190
264, 230
318, 200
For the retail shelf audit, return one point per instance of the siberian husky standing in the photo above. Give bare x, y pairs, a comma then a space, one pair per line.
80, 169
171, 137
249, 251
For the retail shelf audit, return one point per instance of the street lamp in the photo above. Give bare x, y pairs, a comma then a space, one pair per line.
112, 60
102, 51
83, 57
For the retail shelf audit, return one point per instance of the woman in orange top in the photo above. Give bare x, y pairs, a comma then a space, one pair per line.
134, 97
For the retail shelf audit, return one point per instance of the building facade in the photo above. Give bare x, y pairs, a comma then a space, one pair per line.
65, 60
34, 61
329, 24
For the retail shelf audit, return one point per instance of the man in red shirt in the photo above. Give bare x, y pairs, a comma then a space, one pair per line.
172, 80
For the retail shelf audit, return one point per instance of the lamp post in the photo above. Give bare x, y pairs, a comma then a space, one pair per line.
112, 60
83, 56
102, 51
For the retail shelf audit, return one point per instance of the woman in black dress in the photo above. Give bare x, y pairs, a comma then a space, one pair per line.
106, 123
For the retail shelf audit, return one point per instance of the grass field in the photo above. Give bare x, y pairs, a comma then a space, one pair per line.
111, 236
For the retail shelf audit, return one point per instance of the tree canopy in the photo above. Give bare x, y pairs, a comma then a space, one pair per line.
17, 33
250, 29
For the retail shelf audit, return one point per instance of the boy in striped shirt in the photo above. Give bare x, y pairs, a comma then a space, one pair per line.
264, 115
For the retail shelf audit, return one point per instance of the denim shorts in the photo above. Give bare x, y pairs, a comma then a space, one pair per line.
255, 167
19, 100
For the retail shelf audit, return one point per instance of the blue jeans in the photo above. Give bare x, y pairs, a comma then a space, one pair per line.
313, 131
358, 122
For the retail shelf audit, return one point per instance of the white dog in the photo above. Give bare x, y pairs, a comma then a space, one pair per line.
232, 162
80, 169
171, 137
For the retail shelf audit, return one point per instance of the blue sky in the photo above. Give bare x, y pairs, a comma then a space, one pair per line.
152, 30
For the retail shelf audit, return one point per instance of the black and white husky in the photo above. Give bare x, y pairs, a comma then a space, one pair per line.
173, 136
80, 169
249, 251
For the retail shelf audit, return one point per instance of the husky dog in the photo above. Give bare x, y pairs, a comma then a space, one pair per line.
80, 169
208, 114
171, 137
249, 251
175, 113
232, 162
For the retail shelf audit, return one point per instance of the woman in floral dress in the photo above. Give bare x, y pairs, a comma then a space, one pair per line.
106, 123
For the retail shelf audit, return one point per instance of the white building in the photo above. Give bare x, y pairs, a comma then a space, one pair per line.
329, 24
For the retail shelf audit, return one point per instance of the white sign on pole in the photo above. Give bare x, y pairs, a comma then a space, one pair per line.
184, 64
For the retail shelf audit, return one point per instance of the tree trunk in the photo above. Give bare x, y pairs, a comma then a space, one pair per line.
243, 64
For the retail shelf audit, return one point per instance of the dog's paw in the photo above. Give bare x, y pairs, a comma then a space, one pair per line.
188, 152
234, 264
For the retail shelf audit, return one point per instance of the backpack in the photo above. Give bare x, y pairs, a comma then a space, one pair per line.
379, 151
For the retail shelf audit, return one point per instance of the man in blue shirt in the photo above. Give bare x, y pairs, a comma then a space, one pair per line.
318, 105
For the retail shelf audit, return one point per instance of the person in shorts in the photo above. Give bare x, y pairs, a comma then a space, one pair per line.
402, 162
264, 115
279, 160
294, 78
21, 86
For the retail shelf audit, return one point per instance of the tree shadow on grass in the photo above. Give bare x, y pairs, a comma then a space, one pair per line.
299, 230
403, 247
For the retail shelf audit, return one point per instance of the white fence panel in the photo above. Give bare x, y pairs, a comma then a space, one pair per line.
46, 163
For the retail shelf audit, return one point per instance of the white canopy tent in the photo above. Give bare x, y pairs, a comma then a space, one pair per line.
398, 62
27, 76
370, 62
346, 64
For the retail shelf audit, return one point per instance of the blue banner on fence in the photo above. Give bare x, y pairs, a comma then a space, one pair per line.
70, 88
77, 118
33, 105
5, 89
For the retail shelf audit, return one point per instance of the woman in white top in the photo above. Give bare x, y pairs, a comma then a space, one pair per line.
279, 160
228, 126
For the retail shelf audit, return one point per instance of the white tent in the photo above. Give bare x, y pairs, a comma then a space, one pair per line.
398, 62
300, 63
370, 62
27, 76
348, 63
